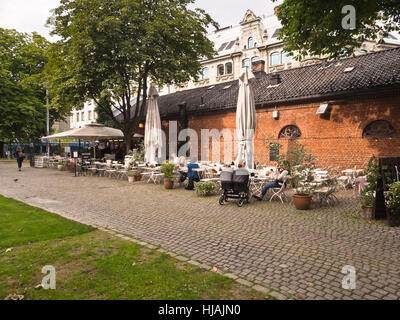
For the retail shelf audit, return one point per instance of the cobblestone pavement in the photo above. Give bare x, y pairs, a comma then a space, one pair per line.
299, 254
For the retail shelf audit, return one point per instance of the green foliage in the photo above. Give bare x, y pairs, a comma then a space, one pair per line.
167, 168
297, 159
96, 265
137, 155
20, 223
373, 175
392, 198
205, 189
314, 27
131, 173
299, 162
22, 94
111, 49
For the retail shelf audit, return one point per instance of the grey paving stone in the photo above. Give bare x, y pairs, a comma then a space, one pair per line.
271, 243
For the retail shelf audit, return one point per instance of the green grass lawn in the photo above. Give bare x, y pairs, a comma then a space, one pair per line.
92, 264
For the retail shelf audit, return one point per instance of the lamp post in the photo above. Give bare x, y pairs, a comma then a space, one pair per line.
47, 123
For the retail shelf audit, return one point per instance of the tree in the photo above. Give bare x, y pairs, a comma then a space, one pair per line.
22, 96
111, 49
314, 27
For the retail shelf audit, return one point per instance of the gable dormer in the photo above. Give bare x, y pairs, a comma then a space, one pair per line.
252, 29
249, 17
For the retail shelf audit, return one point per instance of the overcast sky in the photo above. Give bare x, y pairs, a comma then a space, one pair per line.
31, 15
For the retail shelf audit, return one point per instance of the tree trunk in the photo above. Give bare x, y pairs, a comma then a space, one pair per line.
128, 142
2, 150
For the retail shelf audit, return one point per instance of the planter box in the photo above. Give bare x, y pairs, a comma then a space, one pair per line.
393, 219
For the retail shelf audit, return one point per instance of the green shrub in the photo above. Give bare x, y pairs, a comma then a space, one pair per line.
205, 189
373, 175
393, 198
167, 168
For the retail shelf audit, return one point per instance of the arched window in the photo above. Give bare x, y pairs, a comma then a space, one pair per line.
363, 51
221, 70
246, 63
250, 43
290, 132
379, 129
205, 73
255, 59
275, 58
228, 68
285, 57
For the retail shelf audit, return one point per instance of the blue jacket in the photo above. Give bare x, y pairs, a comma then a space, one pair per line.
192, 174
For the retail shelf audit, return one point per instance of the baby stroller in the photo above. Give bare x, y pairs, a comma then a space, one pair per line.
235, 185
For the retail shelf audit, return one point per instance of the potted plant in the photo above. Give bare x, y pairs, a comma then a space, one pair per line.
392, 198
299, 162
137, 175
303, 181
59, 166
367, 205
368, 195
131, 176
205, 189
167, 168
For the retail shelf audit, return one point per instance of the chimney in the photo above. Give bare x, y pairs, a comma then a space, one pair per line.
276, 10
258, 66
275, 79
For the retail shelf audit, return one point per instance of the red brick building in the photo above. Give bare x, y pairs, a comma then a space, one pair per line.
344, 111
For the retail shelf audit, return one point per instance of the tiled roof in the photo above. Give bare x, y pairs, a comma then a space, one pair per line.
365, 72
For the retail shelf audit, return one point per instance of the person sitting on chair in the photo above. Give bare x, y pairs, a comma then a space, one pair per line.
182, 168
193, 176
276, 184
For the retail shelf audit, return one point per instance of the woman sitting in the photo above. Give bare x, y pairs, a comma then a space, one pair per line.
193, 176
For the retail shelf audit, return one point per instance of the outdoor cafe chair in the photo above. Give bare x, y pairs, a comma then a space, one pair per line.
279, 193
325, 195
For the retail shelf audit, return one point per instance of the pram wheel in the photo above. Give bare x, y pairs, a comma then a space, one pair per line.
222, 200
240, 203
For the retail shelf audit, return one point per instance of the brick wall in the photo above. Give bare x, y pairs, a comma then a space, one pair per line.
336, 141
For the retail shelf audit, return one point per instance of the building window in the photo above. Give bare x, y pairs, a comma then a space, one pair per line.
83, 116
246, 63
273, 152
363, 51
255, 59
89, 115
285, 57
221, 70
77, 117
379, 129
228, 68
205, 73
275, 58
250, 43
290, 132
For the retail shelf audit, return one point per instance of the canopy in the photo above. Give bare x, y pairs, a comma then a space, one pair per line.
246, 121
90, 132
153, 139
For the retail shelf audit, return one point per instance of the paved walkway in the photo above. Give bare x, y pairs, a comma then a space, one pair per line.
296, 253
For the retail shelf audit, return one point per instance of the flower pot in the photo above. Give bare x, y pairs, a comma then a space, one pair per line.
393, 219
59, 167
138, 177
131, 179
302, 202
367, 213
168, 184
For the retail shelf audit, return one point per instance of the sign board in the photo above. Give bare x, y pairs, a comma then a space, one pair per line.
75, 154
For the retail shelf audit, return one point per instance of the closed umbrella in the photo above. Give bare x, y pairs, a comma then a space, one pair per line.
246, 121
153, 140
